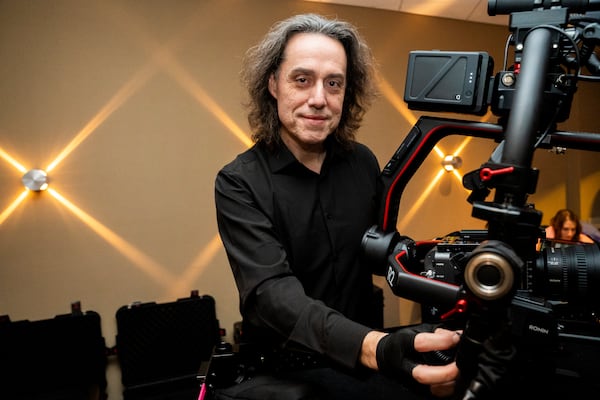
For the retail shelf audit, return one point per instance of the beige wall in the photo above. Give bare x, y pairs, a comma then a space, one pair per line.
139, 101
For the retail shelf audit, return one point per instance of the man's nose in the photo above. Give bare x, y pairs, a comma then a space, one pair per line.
317, 96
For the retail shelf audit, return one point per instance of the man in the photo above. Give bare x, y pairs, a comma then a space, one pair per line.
292, 211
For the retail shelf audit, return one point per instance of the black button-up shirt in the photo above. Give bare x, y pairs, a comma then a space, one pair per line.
293, 241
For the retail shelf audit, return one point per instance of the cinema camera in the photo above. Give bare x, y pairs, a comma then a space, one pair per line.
529, 316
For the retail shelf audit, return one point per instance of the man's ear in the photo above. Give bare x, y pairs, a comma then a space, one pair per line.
273, 86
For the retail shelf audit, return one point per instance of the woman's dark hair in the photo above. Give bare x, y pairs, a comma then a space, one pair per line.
558, 220
265, 58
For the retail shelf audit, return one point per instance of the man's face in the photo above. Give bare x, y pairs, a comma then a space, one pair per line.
309, 87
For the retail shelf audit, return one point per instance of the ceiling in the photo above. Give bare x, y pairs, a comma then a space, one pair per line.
467, 10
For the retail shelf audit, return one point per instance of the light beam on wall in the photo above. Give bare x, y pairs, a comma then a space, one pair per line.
138, 258
4, 155
163, 54
124, 93
395, 100
197, 267
408, 216
13, 206
189, 84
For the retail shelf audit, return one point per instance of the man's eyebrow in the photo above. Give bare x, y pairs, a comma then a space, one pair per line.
308, 71
338, 75
301, 70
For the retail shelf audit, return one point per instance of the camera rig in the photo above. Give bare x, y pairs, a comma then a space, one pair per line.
529, 316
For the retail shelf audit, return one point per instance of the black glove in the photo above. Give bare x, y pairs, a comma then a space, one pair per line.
396, 352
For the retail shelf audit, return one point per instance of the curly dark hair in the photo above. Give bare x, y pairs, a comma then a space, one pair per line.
265, 58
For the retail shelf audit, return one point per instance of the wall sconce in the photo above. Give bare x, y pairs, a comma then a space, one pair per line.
450, 163
35, 180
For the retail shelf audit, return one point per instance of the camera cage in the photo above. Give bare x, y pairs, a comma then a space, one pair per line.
490, 292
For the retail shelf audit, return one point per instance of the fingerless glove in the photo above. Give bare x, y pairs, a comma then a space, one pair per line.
393, 350
396, 352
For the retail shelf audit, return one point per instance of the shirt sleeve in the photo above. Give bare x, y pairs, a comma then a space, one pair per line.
270, 295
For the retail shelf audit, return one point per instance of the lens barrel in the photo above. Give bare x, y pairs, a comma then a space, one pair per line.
569, 273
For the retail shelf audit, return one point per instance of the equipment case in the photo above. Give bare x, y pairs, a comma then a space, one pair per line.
61, 358
161, 347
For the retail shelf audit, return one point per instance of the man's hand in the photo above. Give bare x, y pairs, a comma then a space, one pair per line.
403, 352
440, 378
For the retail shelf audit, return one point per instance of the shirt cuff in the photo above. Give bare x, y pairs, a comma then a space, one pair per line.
345, 341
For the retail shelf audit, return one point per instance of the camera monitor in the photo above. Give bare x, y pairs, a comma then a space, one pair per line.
448, 81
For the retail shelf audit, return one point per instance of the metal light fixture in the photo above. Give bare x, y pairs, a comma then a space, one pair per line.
35, 180
451, 162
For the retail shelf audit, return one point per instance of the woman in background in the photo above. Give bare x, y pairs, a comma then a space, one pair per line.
565, 225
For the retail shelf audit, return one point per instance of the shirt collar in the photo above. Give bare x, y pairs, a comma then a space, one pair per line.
281, 157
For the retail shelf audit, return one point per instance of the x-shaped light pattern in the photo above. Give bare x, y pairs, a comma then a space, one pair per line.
162, 59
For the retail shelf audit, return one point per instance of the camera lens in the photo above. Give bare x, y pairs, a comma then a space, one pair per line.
570, 273
489, 274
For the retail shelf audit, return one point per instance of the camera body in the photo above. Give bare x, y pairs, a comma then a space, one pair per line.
563, 278
447, 260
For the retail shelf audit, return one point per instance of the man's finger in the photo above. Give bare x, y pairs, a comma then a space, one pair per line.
444, 389
441, 339
435, 374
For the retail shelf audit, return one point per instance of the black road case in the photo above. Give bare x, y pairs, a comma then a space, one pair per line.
161, 347
58, 358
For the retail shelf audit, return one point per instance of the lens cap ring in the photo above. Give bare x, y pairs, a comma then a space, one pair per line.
489, 276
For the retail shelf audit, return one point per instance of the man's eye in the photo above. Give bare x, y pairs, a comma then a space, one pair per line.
335, 84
